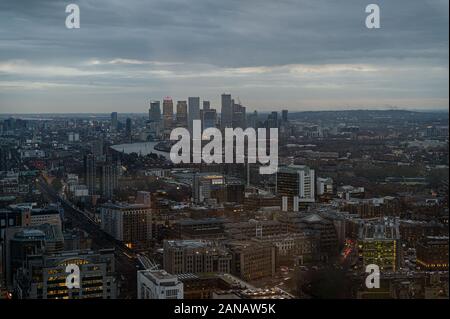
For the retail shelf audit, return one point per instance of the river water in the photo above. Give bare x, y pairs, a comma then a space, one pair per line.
139, 148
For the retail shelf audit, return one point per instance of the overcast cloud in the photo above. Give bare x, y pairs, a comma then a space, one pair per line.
294, 54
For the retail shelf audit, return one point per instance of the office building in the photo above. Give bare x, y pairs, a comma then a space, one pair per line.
90, 170
296, 180
204, 228
209, 118
195, 256
44, 276
194, 110
128, 223
158, 284
432, 253
379, 244
182, 114
167, 113
109, 180
21, 242
284, 115
154, 113
50, 215
324, 186
226, 112
129, 129
239, 116
208, 187
114, 122
272, 120
252, 260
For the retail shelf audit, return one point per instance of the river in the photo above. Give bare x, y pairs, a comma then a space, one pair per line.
143, 148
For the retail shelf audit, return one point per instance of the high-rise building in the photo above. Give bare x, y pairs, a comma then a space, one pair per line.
206, 105
128, 223
5, 156
182, 114
252, 120
154, 113
158, 284
97, 147
194, 110
195, 256
128, 128
109, 180
284, 115
226, 112
239, 116
296, 180
44, 276
272, 120
114, 122
167, 113
90, 177
20, 242
209, 118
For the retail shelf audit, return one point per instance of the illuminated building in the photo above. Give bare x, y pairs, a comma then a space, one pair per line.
158, 284
48, 279
411, 231
378, 243
432, 253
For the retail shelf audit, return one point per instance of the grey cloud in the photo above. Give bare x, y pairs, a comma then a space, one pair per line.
209, 37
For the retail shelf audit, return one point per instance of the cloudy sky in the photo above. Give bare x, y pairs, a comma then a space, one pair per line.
294, 54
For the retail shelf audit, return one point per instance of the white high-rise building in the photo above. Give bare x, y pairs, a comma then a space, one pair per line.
158, 284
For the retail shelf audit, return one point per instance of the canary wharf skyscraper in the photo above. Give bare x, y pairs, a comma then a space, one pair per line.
168, 113
226, 113
194, 110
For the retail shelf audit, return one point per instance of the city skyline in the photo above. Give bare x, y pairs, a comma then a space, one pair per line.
296, 55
